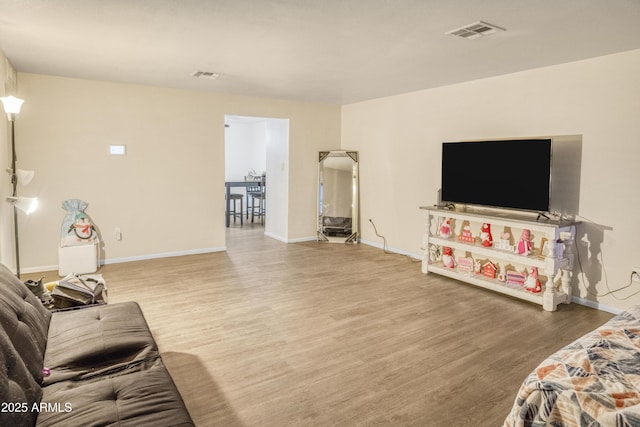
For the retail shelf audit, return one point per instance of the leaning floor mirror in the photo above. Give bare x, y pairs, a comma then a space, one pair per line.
338, 196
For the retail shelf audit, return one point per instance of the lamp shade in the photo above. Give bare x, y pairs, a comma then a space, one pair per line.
11, 105
24, 176
26, 204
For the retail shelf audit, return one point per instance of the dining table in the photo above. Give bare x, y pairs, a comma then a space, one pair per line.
237, 184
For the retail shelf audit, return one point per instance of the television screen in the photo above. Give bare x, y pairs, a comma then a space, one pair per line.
513, 174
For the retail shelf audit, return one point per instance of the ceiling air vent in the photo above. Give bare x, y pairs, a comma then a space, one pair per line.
206, 75
475, 30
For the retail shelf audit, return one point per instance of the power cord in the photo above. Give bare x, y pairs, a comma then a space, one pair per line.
384, 246
384, 239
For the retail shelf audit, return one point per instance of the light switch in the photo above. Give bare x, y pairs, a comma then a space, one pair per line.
117, 150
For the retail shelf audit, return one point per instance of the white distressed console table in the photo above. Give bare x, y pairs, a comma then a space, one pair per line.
549, 265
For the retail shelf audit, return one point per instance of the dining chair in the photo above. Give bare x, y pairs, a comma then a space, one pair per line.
256, 193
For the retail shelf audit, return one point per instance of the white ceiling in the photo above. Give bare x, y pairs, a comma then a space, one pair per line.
335, 51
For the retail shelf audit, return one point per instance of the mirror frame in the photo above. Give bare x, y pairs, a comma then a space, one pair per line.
355, 194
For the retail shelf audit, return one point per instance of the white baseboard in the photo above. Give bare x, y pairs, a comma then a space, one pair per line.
303, 239
394, 250
38, 269
285, 240
131, 259
275, 236
163, 255
596, 305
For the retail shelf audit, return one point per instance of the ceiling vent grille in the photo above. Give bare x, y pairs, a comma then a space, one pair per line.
475, 30
205, 75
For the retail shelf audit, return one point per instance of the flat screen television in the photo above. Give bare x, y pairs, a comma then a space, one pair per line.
512, 174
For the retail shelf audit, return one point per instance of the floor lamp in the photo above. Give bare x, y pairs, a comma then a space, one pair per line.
12, 106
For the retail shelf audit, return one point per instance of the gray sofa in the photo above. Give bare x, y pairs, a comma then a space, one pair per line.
84, 367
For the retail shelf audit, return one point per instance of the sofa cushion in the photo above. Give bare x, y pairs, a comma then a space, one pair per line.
133, 398
18, 388
84, 343
25, 321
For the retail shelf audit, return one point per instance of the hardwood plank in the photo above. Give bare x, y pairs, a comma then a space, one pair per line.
310, 334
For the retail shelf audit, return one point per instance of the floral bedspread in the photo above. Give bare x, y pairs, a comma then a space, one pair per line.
594, 381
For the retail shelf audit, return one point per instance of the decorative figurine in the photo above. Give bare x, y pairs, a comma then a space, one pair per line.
489, 270
447, 258
504, 243
465, 264
477, 267
466, 235
435, 253
502, 275
524, 244
485, 235
445, 229
532, 283
515, 278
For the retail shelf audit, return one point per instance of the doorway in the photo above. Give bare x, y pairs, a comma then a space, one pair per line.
256, 146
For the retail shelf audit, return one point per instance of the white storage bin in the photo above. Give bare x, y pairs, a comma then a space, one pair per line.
81, 259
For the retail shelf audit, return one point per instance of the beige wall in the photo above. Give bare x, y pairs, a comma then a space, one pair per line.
167, 194
6, 212
399, 139
175, 143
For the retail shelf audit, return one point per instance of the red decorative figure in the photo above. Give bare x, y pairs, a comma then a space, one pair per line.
524, 244
466, 235
447, 258
532, 284
485, 235
445, 229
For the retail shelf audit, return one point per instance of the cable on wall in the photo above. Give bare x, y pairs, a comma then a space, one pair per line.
384, 239
385, 247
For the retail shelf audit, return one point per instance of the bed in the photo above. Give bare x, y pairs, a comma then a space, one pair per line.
594, 381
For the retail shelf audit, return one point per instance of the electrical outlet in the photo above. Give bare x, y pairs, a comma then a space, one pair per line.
635, 277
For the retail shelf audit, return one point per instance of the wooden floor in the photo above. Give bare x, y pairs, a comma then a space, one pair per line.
311, 334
